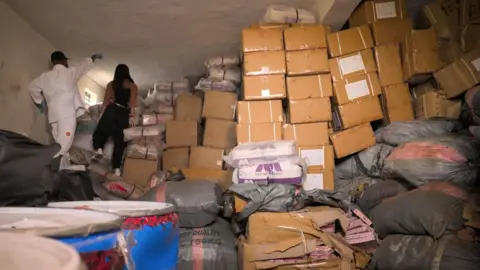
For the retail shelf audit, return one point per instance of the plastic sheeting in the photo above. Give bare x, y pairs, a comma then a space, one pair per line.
445, 158
212, 247
285, 14
375, 194
261, 153
73, 186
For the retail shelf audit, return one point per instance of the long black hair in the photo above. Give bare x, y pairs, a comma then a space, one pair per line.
122, 73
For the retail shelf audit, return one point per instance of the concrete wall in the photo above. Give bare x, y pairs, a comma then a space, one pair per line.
24, 54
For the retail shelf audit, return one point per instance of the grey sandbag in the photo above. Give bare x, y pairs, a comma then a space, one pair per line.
418, 212
410, 252
369, 163
375, 194
213, 247
444, 158
198, 202
401, 132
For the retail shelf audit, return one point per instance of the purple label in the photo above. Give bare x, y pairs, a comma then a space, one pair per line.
273, 167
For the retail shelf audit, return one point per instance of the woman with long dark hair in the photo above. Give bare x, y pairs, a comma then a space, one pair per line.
118, 114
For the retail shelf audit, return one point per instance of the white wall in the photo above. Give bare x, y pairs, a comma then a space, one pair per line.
24, 54
87, 83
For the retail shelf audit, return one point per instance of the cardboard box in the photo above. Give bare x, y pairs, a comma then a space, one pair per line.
188, 107
397, 103
349, 41
262, 39
319, 179
264, 63
138, 171
356, 87
182, 133
264, 87
282, 26
219, 133
449, 51
266, 111
318, 157
307, 62
313, 86
432, 103
175, 158
259, 132
305, 37
391, 31
305, 135
353, 140
443, 16
221, 177
371, 11
420, 53
202, 157
389, 63
310, 110
358, 112
461, 75
219, 104
469, 24
358, 63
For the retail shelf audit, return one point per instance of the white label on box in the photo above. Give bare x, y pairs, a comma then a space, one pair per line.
351, 64
313, 181
357, 89
265, 93
385, 10
476, 64
313, 157
265, 69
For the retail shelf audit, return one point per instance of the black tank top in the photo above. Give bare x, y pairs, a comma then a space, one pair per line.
122, 95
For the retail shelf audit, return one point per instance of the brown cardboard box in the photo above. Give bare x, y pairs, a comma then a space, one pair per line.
469, 24
353, 140
389, 64
264, 87
461, 75
432, 103
219, 104
397, 103
311, 134
182, 133
391, 31
175, 158
306, 37
443, 16
319, 179
420, 53
371, 11
282, 26
219, 133
221, 177
265, 111
349, 41
264, 63
318, 157
188, 107
356, 87
202, 157
138, 171
307, 62
259, 132
262, 39
310, 110
313, 86
449, 50
358, 63
358, 112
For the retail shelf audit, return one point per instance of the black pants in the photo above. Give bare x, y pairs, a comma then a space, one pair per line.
112, 123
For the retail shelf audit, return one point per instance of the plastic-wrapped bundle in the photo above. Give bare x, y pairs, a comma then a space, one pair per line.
261, 153
155, 119
213, 247
402, 132
161, 108
284, 14
206, 84
164, 97
137, 132
178, 87
224, 60
444, 158
149, 148
224, 73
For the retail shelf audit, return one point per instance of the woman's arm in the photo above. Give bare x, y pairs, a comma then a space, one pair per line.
108, 96
133, 98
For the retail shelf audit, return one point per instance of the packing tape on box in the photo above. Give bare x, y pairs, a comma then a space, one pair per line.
274, 132
339, 44
294, 133
271, 113
374, 11
319, 78
361, 36
249, 113
470, 70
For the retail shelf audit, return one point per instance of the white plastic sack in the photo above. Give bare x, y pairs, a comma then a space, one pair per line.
261, 153
219, 61
207, 84
155, 119
224, 73
284, 14
137, 132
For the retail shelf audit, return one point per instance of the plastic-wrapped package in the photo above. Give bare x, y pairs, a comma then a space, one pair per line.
161, 108
261, 152
401, 132
155, 119
443, 158
284, 14
178, 87
225, 73
84, 142
149, 148
164, 97
123, 189
137, 132
206, 84
150, 98
287, 171
223, 61
212, 247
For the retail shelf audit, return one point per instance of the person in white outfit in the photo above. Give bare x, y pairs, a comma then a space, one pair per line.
59, 88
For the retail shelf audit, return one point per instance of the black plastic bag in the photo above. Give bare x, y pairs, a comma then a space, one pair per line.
375, 194
74, 186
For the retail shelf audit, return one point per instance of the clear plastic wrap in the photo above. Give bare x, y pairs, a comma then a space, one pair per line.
137, 132
155, 119
224, 60
285, 14
206, 84
225, 73
260, 153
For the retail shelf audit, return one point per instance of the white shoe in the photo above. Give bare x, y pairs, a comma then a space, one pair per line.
117, 172
98, 155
